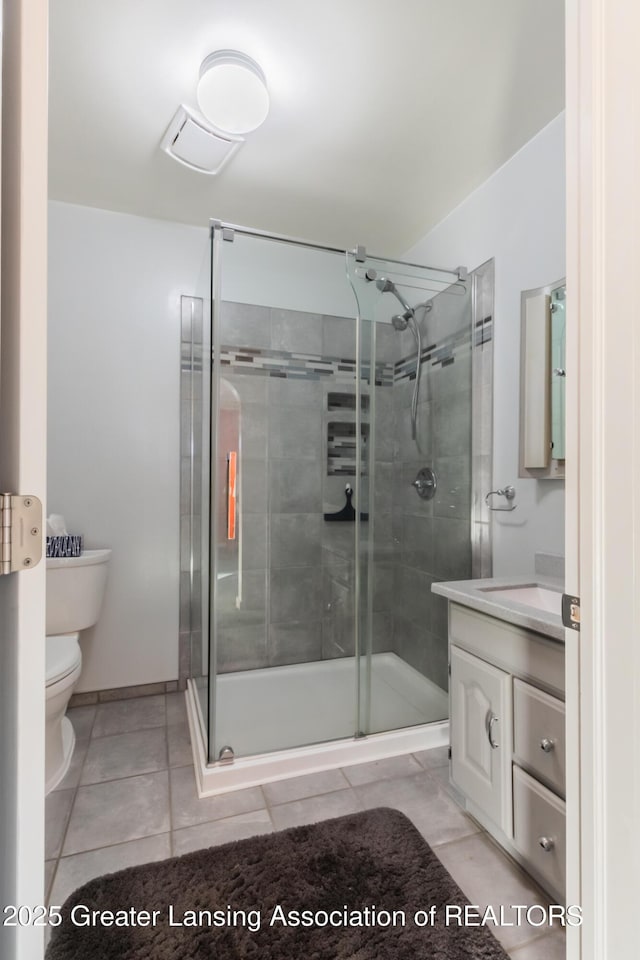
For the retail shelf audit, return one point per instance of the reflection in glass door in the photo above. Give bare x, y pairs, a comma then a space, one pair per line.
286, 442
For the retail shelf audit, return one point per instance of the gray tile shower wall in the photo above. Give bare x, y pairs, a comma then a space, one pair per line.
288, 595
290, 598
432, 536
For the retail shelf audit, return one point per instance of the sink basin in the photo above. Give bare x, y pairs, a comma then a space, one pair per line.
541, 598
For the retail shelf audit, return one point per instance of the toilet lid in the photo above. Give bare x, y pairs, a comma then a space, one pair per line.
62, 656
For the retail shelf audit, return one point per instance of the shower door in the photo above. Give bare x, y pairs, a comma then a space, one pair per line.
416, 480
286, 442
339, 490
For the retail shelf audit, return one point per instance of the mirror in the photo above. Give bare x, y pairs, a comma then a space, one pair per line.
542, 382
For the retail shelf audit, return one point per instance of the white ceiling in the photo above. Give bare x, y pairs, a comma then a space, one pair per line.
384, 116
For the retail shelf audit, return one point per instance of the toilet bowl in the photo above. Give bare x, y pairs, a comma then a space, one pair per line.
75, 590
63, 665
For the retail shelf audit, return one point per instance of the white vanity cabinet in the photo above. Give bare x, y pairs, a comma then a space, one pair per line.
507, 737
481, 761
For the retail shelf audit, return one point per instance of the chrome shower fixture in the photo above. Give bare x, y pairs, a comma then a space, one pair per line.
385, 285
401, 320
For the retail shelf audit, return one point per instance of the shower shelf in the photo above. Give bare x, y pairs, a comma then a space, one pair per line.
346, 401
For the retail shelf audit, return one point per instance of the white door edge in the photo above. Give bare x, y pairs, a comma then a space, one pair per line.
603, 534
23, 386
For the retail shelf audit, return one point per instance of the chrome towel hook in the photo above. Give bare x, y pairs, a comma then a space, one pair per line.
508, 492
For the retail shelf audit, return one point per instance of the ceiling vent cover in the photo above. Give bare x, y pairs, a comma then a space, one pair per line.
192, 142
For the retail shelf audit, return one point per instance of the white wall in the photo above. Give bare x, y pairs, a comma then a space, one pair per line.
115, 283
517, 217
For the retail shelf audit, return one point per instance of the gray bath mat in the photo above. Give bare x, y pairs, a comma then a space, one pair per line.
362, 887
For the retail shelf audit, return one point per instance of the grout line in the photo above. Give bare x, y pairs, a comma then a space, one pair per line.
169, 791
47, 893
128, 776
69, 815
120, 733
119, 843
540, 935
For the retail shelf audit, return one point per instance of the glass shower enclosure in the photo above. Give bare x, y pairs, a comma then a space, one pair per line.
329, 445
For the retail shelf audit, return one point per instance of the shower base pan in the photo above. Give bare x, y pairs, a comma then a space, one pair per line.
265, 714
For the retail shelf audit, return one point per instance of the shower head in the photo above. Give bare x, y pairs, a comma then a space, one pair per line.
401, 320
385, 285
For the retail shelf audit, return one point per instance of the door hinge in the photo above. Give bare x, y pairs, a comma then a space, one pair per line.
21, 532
571, 611
449, 753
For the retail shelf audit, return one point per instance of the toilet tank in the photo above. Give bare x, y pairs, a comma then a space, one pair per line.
75, 590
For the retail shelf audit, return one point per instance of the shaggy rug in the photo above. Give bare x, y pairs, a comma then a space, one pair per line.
362, 887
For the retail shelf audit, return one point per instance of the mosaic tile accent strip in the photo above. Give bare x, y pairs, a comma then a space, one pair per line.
341, 447
299, 366
441, 354
263, 362
483, 331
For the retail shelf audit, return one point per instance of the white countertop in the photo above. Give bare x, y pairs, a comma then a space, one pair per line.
476, 594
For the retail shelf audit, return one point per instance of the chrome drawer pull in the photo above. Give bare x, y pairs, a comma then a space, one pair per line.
547, 745
547, 843
493, 719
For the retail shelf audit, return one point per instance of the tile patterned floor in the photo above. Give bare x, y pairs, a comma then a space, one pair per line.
130, 798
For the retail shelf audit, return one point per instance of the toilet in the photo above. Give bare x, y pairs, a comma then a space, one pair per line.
75, 590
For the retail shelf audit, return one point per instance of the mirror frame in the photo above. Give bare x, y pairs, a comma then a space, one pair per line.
535, 448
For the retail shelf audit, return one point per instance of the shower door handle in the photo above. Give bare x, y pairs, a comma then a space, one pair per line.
232, 479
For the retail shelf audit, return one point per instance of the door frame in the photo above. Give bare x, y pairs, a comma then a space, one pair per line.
603, 479
23, 401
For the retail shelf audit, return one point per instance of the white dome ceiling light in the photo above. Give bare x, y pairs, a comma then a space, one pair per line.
232, 92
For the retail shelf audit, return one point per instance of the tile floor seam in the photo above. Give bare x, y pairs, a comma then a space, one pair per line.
49, 891
451, 843
75, 790
310, 796
221, 820
435, 766
539, 935
120, 733
108, 846
129, 776
93, 723
66, 826
267, 805
169, 789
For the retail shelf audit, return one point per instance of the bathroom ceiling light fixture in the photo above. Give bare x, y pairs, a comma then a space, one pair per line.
232, 92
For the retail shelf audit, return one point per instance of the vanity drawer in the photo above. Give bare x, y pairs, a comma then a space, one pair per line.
539, 829
539, 733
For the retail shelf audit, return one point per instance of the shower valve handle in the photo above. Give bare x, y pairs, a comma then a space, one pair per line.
425, 483
421, 485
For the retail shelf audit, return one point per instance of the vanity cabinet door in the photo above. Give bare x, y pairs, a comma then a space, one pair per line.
481, 738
